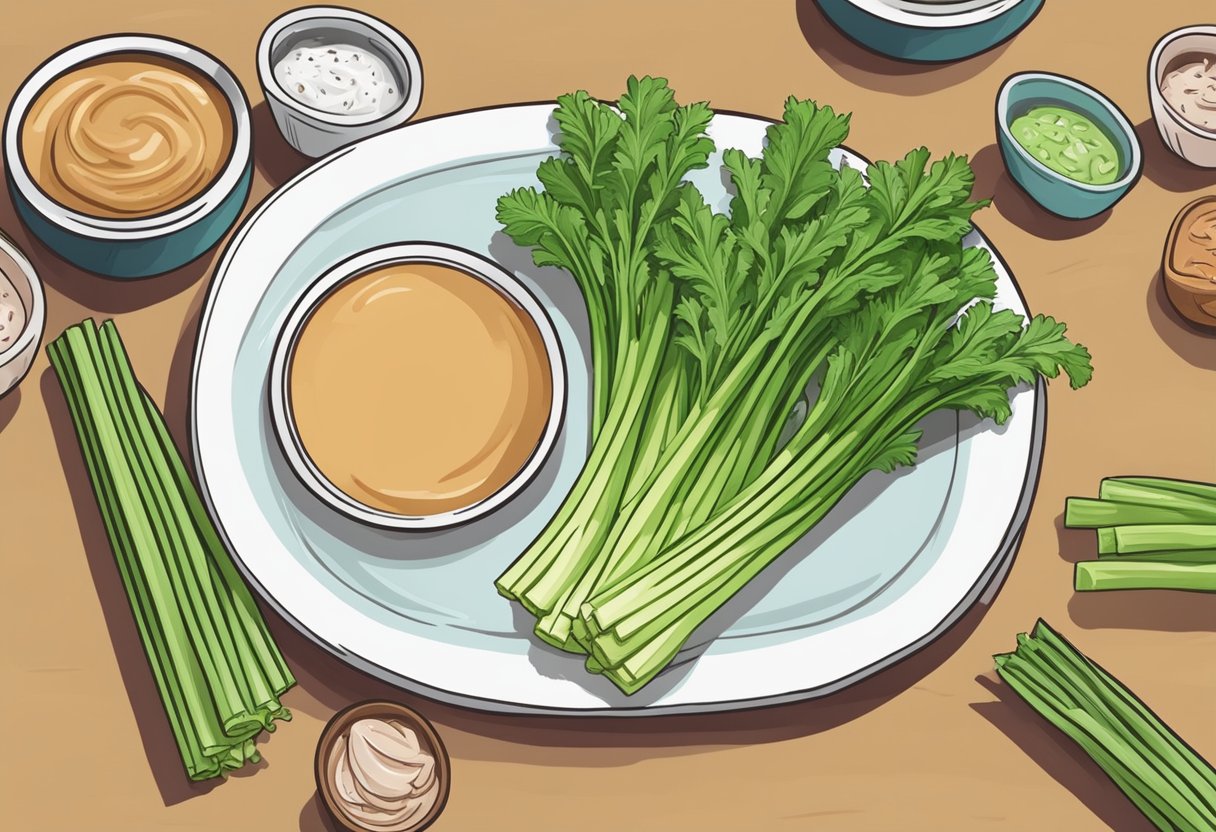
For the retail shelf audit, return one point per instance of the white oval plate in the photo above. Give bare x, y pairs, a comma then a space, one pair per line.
887, 571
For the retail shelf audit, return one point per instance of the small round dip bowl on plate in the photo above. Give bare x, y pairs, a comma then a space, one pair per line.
416, 386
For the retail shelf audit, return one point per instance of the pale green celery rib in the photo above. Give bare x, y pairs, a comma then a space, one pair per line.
1129, 573
1201, 490
1164, 556
1085, 513
1156, 538
539, 576
1150, 492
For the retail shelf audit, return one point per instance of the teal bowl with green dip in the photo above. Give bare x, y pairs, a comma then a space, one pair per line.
1065, 144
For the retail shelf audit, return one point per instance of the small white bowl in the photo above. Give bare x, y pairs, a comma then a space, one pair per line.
313, 132
1195, 145
409, 252
16, 360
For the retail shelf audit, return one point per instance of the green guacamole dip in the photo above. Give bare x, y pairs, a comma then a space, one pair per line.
1068, 143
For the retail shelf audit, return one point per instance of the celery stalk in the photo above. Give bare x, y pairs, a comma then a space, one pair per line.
1131, 573
217, 671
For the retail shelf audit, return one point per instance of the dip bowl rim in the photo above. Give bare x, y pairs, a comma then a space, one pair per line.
356, 265
1134, 165
348, 715
153, 226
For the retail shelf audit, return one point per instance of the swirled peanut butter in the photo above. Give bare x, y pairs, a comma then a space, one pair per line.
419, 389
128, 136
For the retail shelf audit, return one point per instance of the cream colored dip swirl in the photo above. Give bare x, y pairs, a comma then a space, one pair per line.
128, 136
1190, 90
12, 314
383, 778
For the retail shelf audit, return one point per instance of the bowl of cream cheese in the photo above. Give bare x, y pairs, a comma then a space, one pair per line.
333, 76
22, 314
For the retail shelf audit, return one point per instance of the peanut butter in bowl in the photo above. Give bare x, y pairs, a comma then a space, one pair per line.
1189, 266
127, 136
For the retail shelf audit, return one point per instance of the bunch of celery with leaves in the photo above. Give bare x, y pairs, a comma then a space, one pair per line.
811, 276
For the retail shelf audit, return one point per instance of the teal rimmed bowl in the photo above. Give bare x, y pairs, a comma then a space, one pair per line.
1055, 192
139, 246
931, 32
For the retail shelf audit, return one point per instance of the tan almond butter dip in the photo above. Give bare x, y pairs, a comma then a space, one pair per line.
419, 389
383, 777
1190, 261
127, 136
1194, 251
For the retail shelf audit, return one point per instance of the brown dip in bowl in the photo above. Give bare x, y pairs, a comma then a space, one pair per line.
127, 135
1189, 266
381, 767
417, 386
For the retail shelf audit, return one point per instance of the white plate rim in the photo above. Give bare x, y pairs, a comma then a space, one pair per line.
436, 668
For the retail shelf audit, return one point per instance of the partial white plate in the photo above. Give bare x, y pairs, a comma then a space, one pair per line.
887, 571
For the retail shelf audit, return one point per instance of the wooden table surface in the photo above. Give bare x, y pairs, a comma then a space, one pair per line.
933, 743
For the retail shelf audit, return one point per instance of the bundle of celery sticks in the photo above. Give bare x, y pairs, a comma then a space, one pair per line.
1153, 533
707, 327
217, 669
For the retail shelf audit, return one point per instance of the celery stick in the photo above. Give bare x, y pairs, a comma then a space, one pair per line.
1151, 493
198, 586
1165, 778
198, 603
1165, 555
151, 636
242, 609
1201, 490
1084, 513
1129, 573
216, 669
1160, 537
182, 660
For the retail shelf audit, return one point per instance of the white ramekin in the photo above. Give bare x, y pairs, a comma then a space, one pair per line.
308, 130
16, 360
409, 252
1190, 142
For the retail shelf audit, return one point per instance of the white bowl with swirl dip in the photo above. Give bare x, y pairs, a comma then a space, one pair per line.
22, 314
144, 190
333, 76
1185, 138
